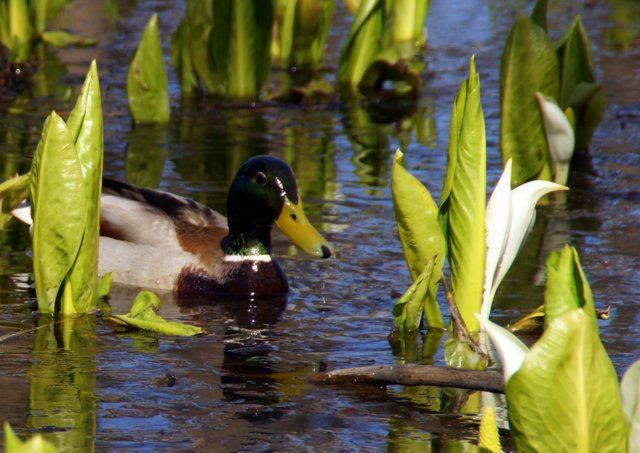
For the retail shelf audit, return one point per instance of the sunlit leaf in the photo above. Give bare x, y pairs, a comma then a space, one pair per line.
630, 388
567, 286
85, 126
362, 43
529, 64
12, 192
143, 315
241, 37
407, 311
200, 26
64, 39
565, 397
539, 13
488, 437
20, 29
35, 444
147, 84
104, 285
588, 102
420, 235
530, 322
458, 353
181, 60
56, 172
463, 199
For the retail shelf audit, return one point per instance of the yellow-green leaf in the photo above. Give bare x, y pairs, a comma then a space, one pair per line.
147, 83
143, 315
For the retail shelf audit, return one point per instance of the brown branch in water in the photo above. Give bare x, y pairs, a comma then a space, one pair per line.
412, 375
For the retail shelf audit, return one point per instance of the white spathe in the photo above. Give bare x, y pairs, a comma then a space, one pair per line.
511, 350
509, 217
560, 137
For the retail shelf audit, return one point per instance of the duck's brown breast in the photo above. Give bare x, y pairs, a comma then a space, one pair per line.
242, 278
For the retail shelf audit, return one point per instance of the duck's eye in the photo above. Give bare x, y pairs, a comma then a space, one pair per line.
261, 178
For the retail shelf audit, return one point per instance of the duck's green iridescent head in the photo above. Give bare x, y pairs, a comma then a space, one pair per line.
264, 192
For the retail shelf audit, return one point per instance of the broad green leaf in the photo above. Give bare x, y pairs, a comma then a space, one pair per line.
20, 29
12, 192
539, 14
58, 218
200, 23
578, 88
407, 311
241, 38
576, 62
35, 444
404, 22
104, 285
588, 103
420, 235
45, 10
180, 56
567, 286
143, 315
85, 126
630, 388
463, 203
64, 39
147, 84
282, 39
529, 64
361, 44
565, 397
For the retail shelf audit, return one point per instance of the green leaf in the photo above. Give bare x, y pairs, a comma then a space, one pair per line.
565, 397
64, 39
463, 199
147, 84
20, 29
528, 64
576, 62
12, 192
36, 444
458, 353
200, 23
362, 43
143, 315
630, 387
58, 218
85, 126
539, 14
407, 311
181, 60
419, 233
588, 103
248, 53
488, 436
104, 285
567, 286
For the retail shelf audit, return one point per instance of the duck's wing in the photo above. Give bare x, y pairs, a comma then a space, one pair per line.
152, 217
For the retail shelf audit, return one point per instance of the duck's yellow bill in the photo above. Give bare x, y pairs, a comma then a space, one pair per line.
295, 225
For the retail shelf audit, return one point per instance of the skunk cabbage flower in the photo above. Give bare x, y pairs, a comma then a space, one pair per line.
560, 137
509, 217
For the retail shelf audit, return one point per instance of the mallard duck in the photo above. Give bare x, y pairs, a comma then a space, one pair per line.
158, 240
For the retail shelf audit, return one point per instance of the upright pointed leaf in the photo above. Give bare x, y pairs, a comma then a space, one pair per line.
529, 64
147, 84
55, 173
539, 13
420, 235
85, 126
407, 311
567, 286
565, 397
576, 62
181, 59
362, 43
464, 205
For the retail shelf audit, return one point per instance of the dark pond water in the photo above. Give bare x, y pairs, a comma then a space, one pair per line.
88, 386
